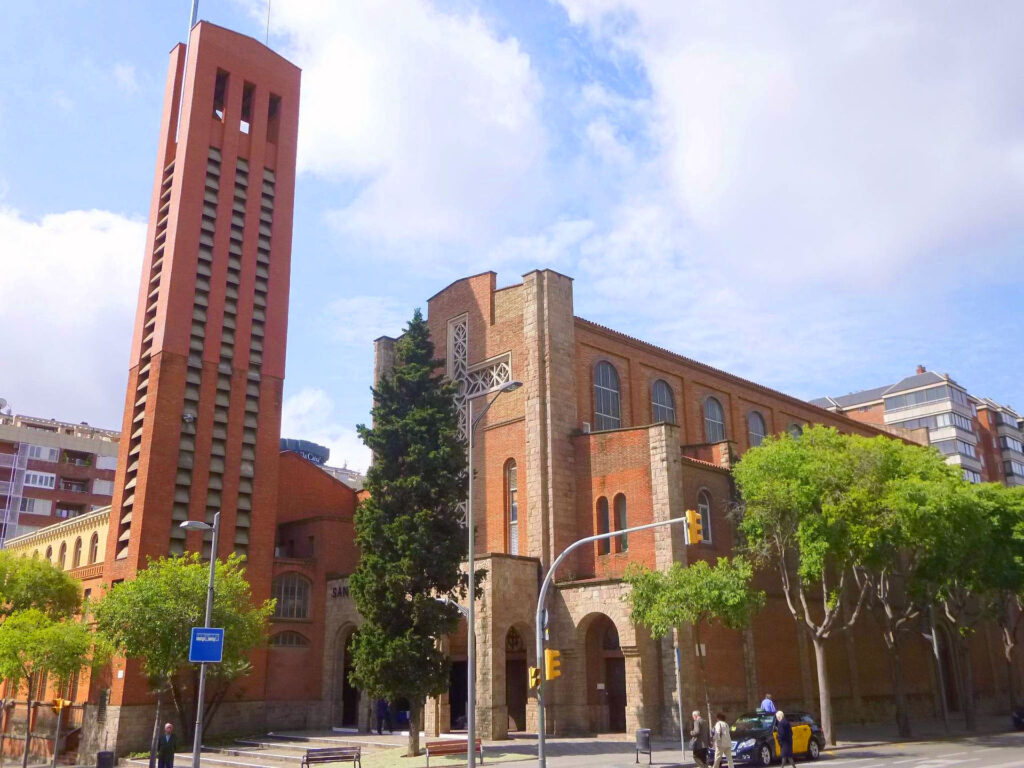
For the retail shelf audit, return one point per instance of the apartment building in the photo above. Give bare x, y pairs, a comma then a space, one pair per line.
976, 434
52, 471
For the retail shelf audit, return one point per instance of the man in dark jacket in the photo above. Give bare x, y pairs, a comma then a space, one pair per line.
700, 740
166, 747
785, 739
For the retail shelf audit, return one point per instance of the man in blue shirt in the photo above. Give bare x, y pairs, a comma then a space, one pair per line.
768, 705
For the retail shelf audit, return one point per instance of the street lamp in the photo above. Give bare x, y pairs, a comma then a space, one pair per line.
508, 386
198, 525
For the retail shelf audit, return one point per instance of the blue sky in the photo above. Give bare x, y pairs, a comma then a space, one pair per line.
814, 196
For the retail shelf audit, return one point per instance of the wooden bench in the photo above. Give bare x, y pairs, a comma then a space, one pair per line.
451, 747
333, 755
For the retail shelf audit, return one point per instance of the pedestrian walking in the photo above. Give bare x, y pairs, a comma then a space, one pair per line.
700, 740
768, 704
166, 748
383, 716
722, 740
785, 739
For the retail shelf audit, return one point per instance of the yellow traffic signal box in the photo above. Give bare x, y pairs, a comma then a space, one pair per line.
534, 677
694, 527
552, 664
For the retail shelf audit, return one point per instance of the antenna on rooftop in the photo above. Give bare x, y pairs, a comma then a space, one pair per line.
268, 24
193, 15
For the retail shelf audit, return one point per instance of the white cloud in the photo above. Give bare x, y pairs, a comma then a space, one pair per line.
309, 415
432, 114
806, 143
358, 320
68, 288
124, 77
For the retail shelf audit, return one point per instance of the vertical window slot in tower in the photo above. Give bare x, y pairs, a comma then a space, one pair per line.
248, 96
273, 118
220, 92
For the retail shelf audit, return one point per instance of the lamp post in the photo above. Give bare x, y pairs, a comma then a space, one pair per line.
540, 623
508, 386
198, 525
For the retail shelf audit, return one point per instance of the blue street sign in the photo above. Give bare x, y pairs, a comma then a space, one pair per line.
207, 645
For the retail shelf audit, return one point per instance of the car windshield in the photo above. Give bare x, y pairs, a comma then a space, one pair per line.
753, 721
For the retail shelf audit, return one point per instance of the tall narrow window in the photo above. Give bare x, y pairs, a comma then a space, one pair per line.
49, 554
248, 97
94, 548
621, 542
602, 525
273, 118
714, 421
292, 593
512, 506
76, 558
663, 406
755, 428
606, 397
220, 94
62, 555
704, 508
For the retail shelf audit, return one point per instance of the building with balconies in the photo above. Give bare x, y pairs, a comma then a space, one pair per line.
976, 434
51, 471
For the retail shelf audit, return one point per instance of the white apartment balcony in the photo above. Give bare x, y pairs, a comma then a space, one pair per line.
952, 433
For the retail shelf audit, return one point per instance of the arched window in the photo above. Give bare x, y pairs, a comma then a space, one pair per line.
755, 428
704, 508
602, 524
94, 548
663, 405
62, 555
76, 558
289, 639
49, 554
714, 421
606, 397
621, 542
795, 430
292, 593
512, 505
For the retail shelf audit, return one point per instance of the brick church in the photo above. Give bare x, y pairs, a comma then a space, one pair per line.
607, 432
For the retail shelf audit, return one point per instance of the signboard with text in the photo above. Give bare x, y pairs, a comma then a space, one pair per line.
207, 646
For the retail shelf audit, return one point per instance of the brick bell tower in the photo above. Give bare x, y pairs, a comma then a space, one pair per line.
202, 416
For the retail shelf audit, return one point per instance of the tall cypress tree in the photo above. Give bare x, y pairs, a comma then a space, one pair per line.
409, 530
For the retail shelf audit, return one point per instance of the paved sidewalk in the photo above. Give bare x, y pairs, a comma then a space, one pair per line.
851, 735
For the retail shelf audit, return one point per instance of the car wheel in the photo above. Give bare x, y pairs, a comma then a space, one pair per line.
765, 755
813, 750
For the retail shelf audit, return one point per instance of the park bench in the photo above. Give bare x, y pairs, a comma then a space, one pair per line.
333, 755
451, 747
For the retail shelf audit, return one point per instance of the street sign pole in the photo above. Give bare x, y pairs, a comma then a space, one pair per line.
540, 619
197, 743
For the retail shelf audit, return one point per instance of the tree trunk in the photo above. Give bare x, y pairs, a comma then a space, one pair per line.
898, 688
824, 690
179, 707
28, 726
415, 715
702, 666
967, 676
153, 743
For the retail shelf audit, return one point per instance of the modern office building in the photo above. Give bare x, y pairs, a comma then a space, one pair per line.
980, 436
51, 471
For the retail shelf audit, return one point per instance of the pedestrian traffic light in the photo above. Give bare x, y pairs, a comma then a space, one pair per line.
694, 527
552, 664
534, 677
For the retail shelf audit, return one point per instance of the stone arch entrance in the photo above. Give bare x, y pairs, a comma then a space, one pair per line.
517, 684
605, 666
345, 710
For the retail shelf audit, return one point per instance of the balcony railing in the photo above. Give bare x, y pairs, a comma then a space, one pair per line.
74, 487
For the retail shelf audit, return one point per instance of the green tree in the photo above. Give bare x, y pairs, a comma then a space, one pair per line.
150, 618
699, 594
31, 641
790, 487
410, 530
891, 510
29, 582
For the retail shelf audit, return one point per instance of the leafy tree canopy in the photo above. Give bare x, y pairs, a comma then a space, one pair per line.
29, 582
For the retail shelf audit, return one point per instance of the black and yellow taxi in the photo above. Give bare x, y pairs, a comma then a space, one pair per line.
755, 737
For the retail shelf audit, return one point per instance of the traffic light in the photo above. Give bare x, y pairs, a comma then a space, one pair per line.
534, 677
694, 527
552, 664
59, 704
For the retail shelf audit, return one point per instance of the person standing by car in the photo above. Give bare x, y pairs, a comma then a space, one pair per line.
785, 736
722, 740
700, 740
768, 704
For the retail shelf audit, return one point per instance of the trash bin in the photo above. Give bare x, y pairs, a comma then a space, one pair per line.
104, 760
643, 744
